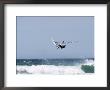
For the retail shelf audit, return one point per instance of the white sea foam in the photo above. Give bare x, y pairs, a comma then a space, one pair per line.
49, 69
89, 62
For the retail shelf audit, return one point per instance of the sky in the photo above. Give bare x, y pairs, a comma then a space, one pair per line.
34, 35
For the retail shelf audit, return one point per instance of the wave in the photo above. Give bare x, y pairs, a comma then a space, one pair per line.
49, 69
87, 65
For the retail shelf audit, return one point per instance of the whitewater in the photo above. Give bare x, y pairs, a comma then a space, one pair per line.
53, 69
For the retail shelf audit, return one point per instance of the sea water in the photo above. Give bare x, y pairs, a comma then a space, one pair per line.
53, 66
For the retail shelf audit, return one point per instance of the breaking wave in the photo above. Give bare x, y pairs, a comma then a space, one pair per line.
58, 69
49, 69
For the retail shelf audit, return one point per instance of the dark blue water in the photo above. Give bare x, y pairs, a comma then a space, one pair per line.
56, 62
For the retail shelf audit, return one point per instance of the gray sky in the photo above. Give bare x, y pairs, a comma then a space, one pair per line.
34, 37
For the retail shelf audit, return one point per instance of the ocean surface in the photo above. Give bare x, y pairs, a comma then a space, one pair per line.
55, 66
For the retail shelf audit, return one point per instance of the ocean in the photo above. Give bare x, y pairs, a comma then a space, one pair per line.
55, 66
